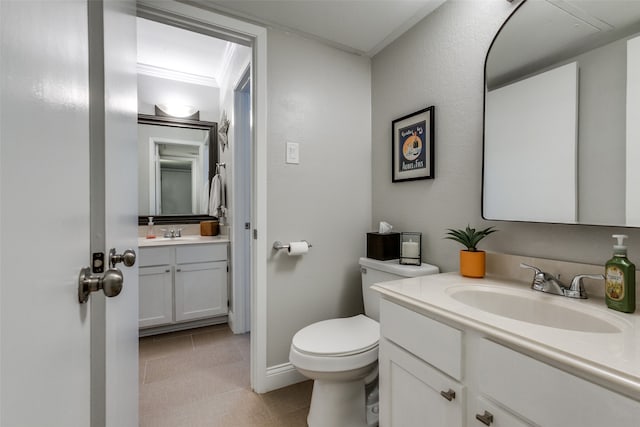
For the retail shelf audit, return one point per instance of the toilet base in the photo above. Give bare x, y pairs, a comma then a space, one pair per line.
337, 404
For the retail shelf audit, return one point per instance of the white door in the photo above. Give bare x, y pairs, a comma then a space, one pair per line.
48, 362
120, 212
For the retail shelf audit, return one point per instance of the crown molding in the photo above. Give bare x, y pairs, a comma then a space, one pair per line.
164, 73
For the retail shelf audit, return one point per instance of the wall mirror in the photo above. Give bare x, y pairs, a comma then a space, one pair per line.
176, 161
562, 97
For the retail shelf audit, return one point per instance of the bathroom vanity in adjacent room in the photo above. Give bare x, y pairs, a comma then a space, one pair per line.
183, 283
473, 352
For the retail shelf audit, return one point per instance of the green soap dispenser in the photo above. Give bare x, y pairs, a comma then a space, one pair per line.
620, 279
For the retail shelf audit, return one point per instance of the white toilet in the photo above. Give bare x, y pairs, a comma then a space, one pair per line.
339, 354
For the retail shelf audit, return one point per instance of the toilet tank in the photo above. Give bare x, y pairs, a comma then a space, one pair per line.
375, 271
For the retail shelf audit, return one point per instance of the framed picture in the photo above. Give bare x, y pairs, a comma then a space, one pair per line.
412, 141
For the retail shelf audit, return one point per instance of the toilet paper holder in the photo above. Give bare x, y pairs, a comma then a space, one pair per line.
277, 245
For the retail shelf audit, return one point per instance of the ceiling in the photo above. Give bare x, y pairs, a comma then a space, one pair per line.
176, 54
364, 27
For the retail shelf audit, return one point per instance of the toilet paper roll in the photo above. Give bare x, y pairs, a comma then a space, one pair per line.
297, 248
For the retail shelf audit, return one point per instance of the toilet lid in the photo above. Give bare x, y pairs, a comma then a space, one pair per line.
338, 337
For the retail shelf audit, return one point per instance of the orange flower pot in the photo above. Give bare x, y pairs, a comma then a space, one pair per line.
472, 264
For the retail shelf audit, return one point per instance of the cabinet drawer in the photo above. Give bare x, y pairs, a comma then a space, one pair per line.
434, 342
156, 256
201, 253
546, 395
499, 417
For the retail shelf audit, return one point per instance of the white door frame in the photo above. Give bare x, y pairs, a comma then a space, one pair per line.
204, 20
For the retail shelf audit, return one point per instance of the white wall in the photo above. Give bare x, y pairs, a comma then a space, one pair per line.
441, 62
319, 97
155, 90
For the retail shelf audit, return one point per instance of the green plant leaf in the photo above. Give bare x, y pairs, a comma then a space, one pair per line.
469, 237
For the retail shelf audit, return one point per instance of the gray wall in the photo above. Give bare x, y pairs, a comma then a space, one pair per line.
602, 134
319, 97
441, 62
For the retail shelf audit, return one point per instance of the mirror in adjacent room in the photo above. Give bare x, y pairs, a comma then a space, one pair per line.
176, 163
562, 89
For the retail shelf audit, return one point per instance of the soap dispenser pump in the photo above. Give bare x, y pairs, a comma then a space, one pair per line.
151, 234
620, 279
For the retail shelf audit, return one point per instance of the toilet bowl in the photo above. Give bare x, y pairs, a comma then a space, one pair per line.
341, 355
337, 354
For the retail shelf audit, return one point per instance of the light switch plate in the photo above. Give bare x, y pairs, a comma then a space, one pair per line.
293, 153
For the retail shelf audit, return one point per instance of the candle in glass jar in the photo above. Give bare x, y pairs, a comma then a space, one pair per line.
410, 249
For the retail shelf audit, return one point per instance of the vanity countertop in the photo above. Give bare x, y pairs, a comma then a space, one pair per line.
184, 240
609, 359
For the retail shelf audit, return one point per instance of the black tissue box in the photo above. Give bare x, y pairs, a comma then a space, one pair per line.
383, 246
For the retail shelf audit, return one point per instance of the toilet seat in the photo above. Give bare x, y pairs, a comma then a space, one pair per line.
336, 345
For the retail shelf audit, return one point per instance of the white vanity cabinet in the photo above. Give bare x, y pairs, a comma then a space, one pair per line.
419, 378
422, 361
180, 283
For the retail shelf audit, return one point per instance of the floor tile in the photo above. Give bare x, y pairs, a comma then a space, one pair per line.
200, 378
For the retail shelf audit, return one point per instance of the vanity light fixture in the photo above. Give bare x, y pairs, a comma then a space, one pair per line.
178, 111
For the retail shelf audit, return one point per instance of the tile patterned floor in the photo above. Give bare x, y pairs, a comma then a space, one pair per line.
200, 378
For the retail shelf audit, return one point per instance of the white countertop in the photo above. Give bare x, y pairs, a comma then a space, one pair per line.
143, 242
609, 359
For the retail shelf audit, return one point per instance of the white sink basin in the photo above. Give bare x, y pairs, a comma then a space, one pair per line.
188, 237
537, 308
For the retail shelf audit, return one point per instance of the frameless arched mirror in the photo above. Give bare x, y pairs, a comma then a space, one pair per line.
562, 91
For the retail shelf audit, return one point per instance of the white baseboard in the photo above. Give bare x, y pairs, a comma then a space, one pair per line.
283, 375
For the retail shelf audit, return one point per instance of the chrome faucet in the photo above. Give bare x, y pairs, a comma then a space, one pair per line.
172, 232
545, 282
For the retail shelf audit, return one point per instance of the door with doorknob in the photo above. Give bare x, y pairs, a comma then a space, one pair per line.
67, 191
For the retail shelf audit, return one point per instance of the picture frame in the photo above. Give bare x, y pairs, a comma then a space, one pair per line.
412, 146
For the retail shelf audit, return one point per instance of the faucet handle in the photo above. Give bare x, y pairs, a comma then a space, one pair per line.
178, 232
531, 267
577, 287
539, 278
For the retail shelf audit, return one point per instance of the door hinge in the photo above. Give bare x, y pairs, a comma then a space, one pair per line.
227, 268
255, 234
228, 304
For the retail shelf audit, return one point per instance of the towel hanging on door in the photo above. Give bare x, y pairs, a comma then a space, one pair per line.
217, 196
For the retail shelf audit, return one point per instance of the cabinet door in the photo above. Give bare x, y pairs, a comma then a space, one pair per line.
413, 393
155, 296
201, 290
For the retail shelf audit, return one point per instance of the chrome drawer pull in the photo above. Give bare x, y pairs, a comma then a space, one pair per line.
449, 394
486, 418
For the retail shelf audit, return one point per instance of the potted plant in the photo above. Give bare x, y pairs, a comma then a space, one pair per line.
472, 261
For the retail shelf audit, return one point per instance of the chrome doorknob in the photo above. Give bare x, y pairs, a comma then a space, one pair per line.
128, 257
110, 283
